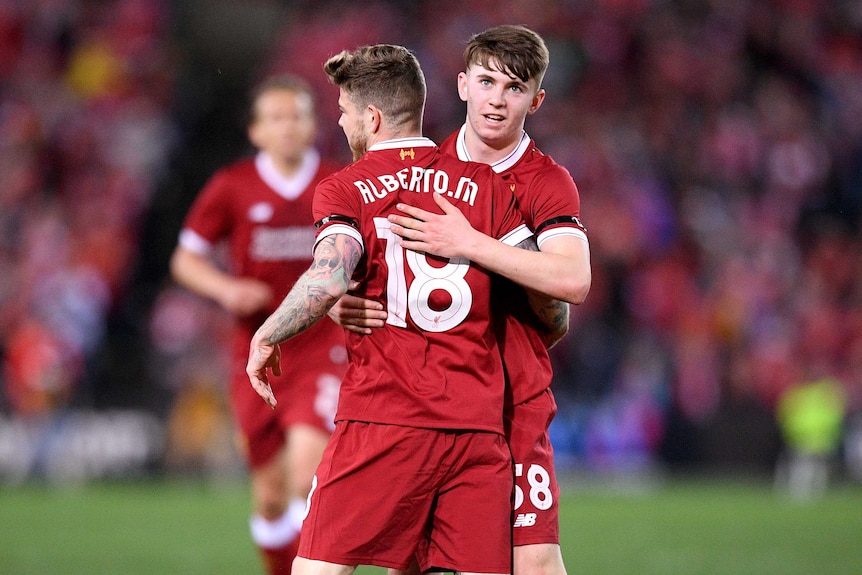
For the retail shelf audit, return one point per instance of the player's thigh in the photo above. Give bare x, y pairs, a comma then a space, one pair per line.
373, 494
413, 569
302, 566
470, 523
305, 446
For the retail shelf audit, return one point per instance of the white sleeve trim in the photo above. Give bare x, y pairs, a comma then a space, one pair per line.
195, 242
517, 235
340, 229
564, 231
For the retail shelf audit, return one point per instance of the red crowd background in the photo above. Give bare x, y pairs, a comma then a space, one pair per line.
717, 146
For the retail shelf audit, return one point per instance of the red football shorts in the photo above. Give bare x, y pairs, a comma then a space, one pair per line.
384, 493
537, 493
307, 393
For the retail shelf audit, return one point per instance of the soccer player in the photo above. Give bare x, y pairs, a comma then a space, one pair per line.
261, 208
418, 459
501, 87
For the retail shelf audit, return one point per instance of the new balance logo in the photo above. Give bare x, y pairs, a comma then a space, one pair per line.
525, 520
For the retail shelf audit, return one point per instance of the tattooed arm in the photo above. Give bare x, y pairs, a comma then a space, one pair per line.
335, 259
553, 313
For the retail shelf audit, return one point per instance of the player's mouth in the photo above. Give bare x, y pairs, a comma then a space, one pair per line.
494, 118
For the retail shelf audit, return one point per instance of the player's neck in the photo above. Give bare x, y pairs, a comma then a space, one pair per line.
488, 152
287, 167
386, 135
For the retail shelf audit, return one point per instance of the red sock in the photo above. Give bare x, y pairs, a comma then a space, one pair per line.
279, 560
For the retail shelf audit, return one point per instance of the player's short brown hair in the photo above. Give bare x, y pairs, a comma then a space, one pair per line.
385, 75
512, 49
288, 82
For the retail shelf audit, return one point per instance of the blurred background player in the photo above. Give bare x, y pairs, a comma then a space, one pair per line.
418, 458
261, 207
811, 417
502, 86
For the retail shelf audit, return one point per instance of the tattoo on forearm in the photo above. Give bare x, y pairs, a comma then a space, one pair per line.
554, 314
335, 259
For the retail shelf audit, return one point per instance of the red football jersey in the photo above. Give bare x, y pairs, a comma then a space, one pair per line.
267, 223
436, 362
550, 205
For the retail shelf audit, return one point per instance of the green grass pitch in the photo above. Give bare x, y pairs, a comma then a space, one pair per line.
678, 527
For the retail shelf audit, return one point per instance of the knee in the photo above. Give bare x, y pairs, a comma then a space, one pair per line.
544, 559
269, 499
270, 509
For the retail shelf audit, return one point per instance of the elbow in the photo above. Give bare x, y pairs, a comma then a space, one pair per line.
576, 290
581, 294
181, 267
175, 266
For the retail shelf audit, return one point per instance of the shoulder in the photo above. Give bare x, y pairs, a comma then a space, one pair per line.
327, 168
544, 170
342, 173
544, 162
236, 171
338, 179
240, 166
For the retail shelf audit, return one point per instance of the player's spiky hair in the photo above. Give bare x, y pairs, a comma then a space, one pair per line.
512, 49
385, 75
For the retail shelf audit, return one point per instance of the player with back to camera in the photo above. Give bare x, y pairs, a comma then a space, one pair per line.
418, 459
501, 87
261, 207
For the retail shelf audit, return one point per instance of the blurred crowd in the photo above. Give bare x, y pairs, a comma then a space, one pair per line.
717, 146
85, 135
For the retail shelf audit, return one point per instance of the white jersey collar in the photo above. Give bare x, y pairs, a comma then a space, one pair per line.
412, 142
288, 187
500, 165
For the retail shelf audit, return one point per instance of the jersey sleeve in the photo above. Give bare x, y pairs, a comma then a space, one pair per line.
336, 211
554, 208
208, 219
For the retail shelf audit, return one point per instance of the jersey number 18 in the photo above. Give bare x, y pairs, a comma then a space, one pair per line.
427, 278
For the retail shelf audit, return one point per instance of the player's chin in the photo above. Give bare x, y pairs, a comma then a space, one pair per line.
494, 132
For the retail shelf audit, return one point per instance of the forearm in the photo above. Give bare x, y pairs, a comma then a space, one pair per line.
305, 305
561, 270
563, 276
554, 315
315, 292
196, 273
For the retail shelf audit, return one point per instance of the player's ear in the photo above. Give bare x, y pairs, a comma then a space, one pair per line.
462, 86
537, 101
374, 119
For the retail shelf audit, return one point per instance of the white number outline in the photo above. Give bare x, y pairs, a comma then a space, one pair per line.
540, 487
400, 299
